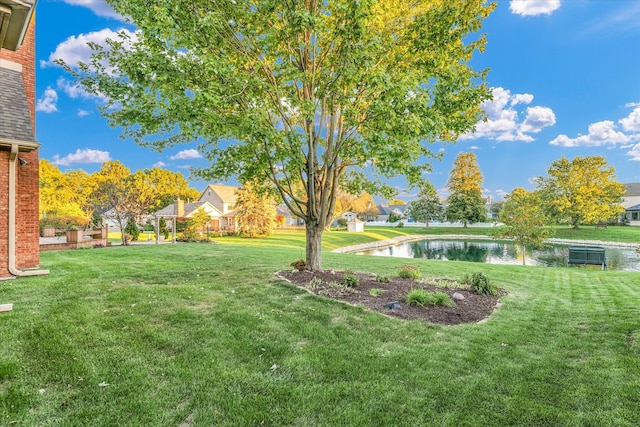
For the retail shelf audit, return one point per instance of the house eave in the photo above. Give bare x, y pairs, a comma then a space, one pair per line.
23, 146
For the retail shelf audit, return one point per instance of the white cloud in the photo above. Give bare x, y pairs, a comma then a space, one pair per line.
82, 156
75, 91
76, 49
159, 164
502, 122
187, 154
474, 147
600, 133
83, 113
632, 104
501, 193
635, 153
631, 123
99, 7
533, 7
48, 100
521, 98
537, 119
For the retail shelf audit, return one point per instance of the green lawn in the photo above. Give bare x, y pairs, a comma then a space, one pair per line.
194, 334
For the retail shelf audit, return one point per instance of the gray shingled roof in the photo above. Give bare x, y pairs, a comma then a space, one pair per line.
632, 189
15, 119
188, 208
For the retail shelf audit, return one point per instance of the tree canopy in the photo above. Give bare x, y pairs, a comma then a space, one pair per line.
581, 191
465, 202
427, 207
296, 92
525, 220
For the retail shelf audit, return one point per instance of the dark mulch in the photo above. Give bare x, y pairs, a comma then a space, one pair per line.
473, 308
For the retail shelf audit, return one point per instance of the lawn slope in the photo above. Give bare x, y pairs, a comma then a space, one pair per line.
196, 334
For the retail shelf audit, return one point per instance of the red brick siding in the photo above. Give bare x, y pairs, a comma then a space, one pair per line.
27, 239
4, 213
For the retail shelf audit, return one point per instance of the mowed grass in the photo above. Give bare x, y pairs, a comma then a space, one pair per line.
196, 334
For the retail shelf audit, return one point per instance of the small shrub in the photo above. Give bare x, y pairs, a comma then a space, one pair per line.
132, 229
188, 235
480, 284
64, 222
424, 298
443, 299
374, 292
300, 264
315, 283
400, 224
382, 279
342, 222
350, 280
409, 272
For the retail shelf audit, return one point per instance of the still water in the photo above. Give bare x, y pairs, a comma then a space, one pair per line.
497, 252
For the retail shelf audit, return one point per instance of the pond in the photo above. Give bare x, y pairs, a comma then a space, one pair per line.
499, 252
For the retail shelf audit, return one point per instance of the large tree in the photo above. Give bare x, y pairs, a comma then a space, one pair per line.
58, 195
427, 206
120, 195
168, 186
306, 92
525, 220
255, 210
582, 191
465, 202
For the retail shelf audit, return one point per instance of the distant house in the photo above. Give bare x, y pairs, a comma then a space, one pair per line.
223, 197
631, 203
350, 216
181, 210
289, 218
386, 211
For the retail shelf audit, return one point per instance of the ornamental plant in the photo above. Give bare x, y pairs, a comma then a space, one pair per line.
409, 272
300, 264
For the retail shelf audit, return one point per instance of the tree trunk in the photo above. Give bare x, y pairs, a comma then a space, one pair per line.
524, 254
314, 245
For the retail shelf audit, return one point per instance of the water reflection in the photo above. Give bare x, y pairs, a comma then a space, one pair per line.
496, 252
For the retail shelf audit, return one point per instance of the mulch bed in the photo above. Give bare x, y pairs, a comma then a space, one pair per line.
473, 308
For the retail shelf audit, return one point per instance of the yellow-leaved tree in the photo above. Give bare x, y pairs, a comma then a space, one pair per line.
255, 210
581, 191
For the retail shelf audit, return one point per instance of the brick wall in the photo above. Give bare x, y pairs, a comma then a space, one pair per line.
4, 213
27, 195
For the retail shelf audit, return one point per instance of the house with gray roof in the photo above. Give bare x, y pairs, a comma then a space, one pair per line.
631, 203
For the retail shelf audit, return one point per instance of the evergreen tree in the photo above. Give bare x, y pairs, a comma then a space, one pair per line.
427, 207
465, 203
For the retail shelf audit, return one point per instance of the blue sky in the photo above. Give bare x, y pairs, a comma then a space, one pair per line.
565, 76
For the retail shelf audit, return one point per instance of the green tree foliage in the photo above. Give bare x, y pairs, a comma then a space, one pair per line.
121, 196
255, 210
582, 191
200, 219
525, 220
427, 207
162, 228
296, 92
131, 229
465, 202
